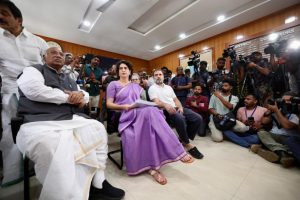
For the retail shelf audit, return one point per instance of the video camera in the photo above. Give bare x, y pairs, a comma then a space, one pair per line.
245, 60
288, 108
229, 52
194, 60
277, 48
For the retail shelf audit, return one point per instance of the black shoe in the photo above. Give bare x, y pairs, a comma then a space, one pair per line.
108, 192
195, 153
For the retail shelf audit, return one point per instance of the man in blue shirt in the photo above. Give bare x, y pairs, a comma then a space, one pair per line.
181, 85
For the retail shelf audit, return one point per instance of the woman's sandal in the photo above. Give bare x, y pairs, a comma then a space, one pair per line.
187, 159
161, 179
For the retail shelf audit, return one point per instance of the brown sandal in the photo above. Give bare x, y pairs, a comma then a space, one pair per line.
160, 178
187, 159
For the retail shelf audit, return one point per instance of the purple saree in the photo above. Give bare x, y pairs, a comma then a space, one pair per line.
148, 141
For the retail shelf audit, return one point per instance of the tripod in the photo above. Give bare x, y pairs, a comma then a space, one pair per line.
279, 81
248, 77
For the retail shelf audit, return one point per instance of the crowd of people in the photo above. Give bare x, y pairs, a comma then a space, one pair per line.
64, 102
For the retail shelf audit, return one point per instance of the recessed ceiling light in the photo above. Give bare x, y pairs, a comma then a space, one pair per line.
239, 37
182, 36
204, 48
93, 12
157, 47
273, 36
180, 55
220, 18
295, 44
290, 19
86, 23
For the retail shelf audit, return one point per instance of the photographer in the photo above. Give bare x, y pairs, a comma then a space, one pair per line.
251, 116
181, 85
221, 103
285, 125
202, 77
287, 68
259, 71
293, 142
218, 75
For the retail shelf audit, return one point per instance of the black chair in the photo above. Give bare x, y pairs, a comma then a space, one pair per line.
113, 118
15, 124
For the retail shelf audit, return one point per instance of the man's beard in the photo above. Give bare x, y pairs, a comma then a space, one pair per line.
197, 94
224, 90
158, 81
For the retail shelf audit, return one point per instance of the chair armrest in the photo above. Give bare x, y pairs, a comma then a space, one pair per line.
15, 124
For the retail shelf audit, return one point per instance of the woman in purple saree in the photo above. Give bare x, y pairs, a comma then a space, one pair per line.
148, 141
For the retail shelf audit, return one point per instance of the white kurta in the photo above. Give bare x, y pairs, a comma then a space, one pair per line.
73, 74
68, 153
16, 53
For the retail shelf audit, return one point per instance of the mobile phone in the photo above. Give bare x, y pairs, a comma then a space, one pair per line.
250, 120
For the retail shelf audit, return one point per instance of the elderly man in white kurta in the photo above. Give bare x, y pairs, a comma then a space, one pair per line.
18, 49
68, 149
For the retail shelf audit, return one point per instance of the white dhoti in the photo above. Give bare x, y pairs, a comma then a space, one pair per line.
12, 158
67, 155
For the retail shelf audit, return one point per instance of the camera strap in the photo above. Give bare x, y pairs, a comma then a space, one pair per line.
229, 98
251, 113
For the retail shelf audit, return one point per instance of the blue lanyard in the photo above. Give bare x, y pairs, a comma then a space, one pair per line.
252, 112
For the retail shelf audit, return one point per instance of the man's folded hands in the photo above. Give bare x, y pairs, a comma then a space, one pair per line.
76, 98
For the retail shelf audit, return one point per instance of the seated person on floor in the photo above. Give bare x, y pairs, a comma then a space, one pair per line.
293, 142
187, 122
285, 125
69, 149
221, 103
198, 103
148, 141
251, 116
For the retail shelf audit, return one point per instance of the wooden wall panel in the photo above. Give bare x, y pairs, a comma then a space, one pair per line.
76, 49
273, 22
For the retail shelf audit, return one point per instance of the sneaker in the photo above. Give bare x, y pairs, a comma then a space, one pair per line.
195, 153
255, 147
108, 192
268, 155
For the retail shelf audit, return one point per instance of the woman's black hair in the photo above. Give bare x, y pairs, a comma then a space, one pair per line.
128, 64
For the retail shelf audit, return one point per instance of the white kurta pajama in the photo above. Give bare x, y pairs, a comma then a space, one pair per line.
16, 53
68, 153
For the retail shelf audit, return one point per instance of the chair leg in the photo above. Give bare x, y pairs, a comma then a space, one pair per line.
119, 165
121, 151
26, 179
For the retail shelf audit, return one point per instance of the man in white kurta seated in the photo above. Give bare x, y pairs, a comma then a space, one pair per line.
68, 149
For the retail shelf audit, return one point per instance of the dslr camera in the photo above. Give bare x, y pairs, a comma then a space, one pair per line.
276, 48
229, 52
288, 108
245, 60
225, 120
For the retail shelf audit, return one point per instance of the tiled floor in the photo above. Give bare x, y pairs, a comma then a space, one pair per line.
227, 172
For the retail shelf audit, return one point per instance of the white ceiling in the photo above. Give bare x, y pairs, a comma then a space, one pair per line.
60, 19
